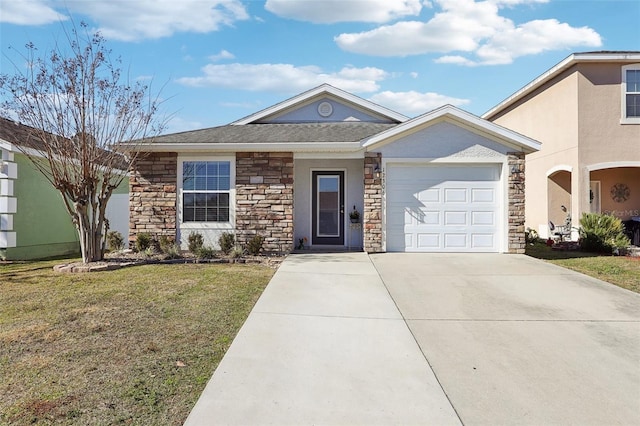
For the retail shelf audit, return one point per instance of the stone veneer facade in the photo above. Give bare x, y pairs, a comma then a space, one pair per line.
517, 241
264, 199
372, 217
152, 196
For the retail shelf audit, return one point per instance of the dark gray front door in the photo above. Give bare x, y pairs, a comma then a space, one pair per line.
327, 208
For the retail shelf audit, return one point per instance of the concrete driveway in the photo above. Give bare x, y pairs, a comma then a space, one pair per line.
513, 340
409, 339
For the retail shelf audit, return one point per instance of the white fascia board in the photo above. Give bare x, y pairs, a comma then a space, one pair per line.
563, 65
320, 90
255, 147
461, 118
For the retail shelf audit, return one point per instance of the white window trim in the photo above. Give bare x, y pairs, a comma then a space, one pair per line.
230, 225
623, 95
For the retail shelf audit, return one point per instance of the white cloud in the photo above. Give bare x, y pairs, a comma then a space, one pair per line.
224, 54
285, 78
414, 103
177, 124
29, 12
132, 20
471, 28
535, 37
332, 11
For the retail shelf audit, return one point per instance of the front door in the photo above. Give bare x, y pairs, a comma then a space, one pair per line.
327, 208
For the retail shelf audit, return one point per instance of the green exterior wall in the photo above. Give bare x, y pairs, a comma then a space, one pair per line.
42, 225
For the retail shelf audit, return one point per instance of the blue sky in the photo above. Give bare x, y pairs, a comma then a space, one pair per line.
221, 60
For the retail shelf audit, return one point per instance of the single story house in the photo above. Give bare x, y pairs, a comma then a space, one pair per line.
34, 223
446, 181
586, 112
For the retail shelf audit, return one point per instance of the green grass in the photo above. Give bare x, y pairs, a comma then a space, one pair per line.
132, 346
622, 271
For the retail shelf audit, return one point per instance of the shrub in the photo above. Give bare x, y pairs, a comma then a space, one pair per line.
115, 240
172, 252
226, 241
254, 246
602, 233
531, 236
143, 241
165, 243
206, 253
237, 252
196, 242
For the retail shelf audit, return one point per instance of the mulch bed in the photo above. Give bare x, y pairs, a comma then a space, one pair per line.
127, 258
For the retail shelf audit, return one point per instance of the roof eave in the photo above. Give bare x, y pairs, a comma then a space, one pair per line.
551, 73
253, 147
464, 119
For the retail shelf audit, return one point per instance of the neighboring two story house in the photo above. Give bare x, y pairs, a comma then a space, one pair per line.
586, 113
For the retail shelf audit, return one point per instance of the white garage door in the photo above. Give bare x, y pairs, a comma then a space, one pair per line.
443, 208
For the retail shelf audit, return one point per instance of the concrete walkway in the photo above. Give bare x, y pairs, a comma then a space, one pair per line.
430, 339
324, 345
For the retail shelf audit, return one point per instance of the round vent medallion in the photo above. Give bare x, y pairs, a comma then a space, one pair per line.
325, 109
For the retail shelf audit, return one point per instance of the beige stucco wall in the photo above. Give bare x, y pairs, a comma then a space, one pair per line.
576, 116
603, 139
629, 176
551, 117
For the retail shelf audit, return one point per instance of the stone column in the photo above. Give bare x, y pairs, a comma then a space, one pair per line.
264, 199
372, 215
153, 196
517, 241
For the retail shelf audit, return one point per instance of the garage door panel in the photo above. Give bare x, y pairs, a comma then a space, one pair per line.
483, 218
482, 241
442, 208
429, 217
428, 241
455, 240
482, 195
455, 218
455, 195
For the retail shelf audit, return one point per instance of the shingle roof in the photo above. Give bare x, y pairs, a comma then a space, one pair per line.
347, 131
18, 134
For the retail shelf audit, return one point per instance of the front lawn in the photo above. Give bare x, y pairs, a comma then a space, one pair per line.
622, 271
132, 346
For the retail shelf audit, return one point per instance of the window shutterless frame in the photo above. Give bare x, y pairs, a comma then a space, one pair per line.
630, 94
206, 189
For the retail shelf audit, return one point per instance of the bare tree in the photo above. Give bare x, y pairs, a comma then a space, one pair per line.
80, 108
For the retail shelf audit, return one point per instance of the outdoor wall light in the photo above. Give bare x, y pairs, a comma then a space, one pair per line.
515, 171
376, 171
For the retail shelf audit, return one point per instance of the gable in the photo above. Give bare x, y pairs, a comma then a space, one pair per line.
325, 109
443, 140
324, 103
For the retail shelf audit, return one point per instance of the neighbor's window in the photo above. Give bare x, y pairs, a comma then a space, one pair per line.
205, 191
631, 87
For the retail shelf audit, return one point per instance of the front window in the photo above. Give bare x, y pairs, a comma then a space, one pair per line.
631, 93
206, 191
